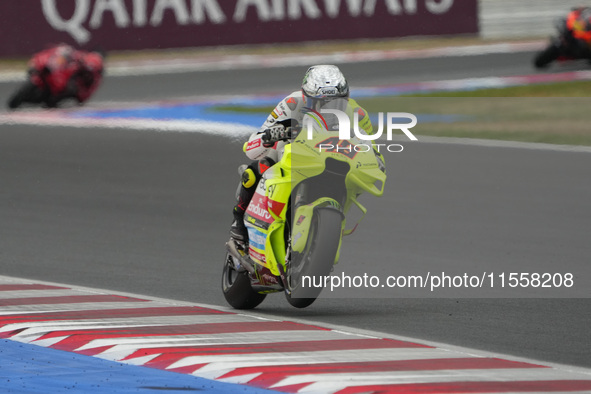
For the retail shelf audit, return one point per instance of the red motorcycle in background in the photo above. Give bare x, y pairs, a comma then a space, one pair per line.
573, 41
57, 74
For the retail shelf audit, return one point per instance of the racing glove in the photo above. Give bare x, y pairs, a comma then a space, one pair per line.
274, 134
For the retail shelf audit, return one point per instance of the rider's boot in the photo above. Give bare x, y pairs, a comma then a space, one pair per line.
244, 194
238, 230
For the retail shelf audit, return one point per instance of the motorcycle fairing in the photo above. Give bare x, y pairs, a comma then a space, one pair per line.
265, 219
365, 172
266, 215
303, 220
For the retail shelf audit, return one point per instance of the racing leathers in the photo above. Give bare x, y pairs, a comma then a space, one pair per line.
64, 72
578, 22
266, 145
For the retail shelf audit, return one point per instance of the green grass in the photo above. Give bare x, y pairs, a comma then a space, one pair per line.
558, 113
560, 89
556, 120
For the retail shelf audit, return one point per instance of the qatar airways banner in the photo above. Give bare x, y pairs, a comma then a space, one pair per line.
30, 25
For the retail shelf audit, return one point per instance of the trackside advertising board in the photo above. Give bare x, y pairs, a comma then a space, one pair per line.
30, 25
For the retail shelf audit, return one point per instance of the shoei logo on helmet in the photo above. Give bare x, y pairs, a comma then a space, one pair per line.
328, 92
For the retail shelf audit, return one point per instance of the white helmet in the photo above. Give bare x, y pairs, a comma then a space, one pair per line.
322, 84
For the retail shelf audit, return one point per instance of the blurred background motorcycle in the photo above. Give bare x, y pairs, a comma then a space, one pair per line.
573, 41
57, 74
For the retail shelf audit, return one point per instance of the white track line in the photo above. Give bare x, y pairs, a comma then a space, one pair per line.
235, 62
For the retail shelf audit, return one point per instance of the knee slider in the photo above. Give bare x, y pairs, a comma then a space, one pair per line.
248, 178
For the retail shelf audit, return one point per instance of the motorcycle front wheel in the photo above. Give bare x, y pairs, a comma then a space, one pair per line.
26, 93
547, 56
237, 289
317, 259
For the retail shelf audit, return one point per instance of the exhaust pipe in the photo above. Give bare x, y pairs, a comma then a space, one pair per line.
244, 262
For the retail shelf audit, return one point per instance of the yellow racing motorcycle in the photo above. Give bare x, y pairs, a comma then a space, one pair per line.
297, 218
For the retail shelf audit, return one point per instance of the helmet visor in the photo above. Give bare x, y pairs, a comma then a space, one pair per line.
339, 103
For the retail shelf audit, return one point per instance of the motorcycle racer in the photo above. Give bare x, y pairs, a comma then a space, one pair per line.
62, 72
578, 22
84, 79
323, 86
90, 73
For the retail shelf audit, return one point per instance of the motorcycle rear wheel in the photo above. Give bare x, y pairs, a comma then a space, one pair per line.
318, 258
237, 289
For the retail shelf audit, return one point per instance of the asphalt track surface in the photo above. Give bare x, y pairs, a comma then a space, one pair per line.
148, 213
